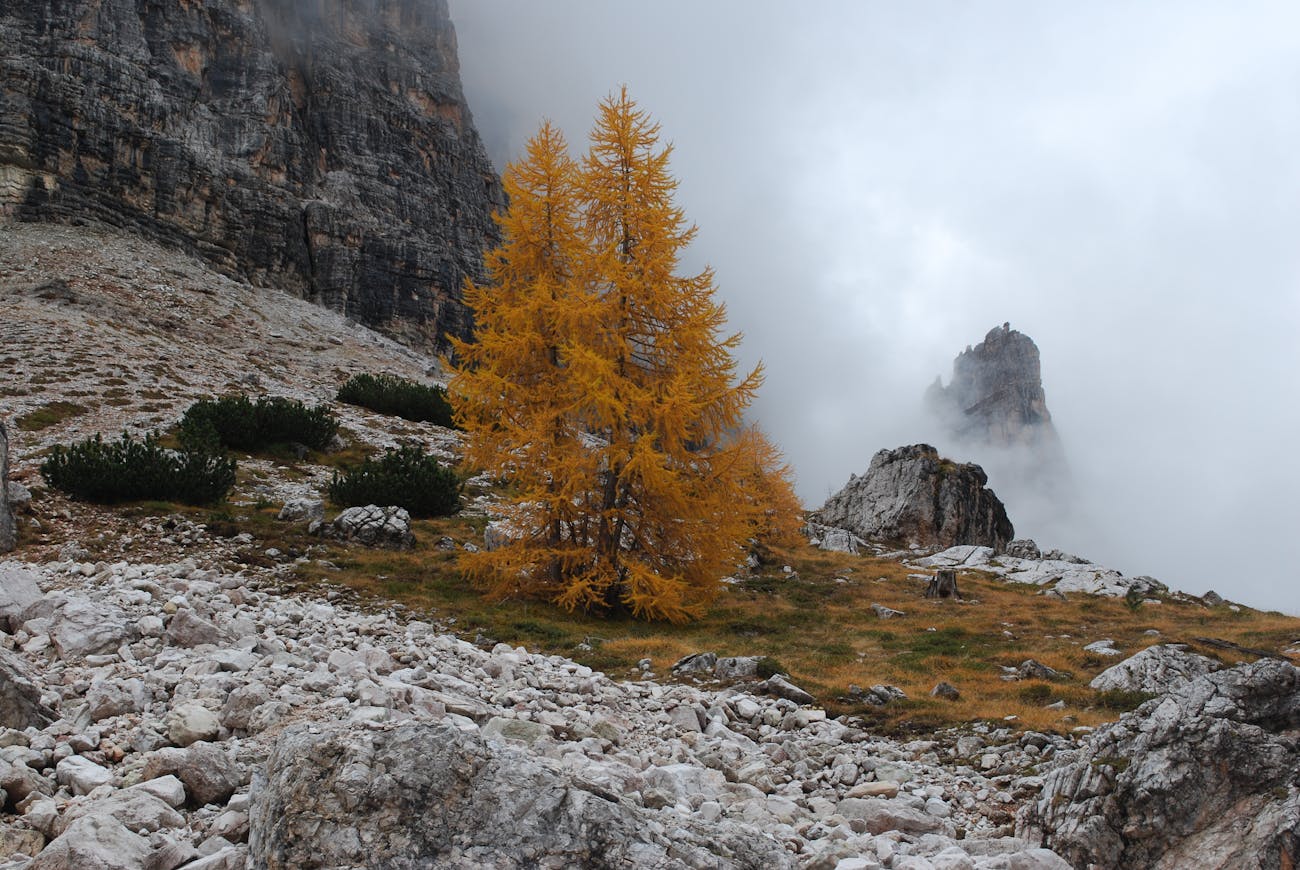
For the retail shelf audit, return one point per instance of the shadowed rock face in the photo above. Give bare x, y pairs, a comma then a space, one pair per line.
322, 146
915, 496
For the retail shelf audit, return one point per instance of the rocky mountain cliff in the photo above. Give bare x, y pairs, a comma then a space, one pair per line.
996, 394
915, 496
320, 146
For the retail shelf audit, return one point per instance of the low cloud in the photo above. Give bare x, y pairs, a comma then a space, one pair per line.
877, 185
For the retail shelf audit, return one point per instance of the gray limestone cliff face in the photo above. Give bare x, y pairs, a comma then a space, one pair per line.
321, 146
914, 496
996, 394
8, 526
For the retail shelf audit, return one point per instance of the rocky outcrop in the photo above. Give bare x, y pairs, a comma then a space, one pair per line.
324, 147
374, 526
434, 795
914, 496
8, 525
1022, 562
1207, 776
996, 394
1165, 667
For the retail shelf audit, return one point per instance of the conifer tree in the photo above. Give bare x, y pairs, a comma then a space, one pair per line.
602, 387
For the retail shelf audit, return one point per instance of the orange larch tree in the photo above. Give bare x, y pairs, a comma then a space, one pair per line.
602, 387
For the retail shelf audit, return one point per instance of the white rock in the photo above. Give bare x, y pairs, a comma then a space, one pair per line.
190, 722
81, 775
106, 699
18, 591
167, 788
1104, 647
80, 627
100, 842
1156, 669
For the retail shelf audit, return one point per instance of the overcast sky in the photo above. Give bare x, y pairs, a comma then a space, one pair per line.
879, 184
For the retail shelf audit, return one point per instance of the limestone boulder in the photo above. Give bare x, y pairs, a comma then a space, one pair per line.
137, 808
914, 496
186, 628
81, 775
374, 526
20, 696
302, 510
101, 842
434, 795
81, 627
107, 698
191, 722
1155, 670
209, 773
18, 591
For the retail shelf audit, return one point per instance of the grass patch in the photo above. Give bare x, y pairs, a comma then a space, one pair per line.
50, 415
1121, 700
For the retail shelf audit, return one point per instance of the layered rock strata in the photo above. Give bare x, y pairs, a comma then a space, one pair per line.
914, 496
324, 147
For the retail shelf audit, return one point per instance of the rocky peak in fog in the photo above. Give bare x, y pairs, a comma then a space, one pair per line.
996, 393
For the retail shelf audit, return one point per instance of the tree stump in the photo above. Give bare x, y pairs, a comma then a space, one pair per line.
943, 584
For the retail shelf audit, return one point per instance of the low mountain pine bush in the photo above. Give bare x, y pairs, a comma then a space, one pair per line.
406, 477
239, 423
388, 394
130, 470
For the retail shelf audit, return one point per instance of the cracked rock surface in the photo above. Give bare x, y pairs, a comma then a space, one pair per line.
1206, 776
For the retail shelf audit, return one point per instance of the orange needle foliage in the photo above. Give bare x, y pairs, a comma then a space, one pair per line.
600, 387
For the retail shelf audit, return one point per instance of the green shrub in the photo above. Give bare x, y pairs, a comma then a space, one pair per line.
1035, 693
1122, 700
1134, 599
405, 477
770, 667
237, 422
399, 397
130, 470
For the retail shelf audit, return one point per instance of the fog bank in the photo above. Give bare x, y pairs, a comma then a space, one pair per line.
877, 185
